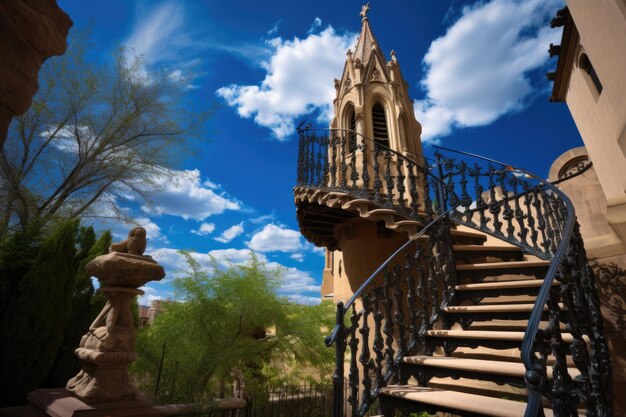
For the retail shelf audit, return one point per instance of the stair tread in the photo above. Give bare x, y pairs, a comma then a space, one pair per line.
461, 401
464, 233
501, 265
476, 365
489, 308
485, 248
496, 285
488, 335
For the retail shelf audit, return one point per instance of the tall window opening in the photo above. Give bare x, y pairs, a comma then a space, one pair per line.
585, 65
379, 121
351, 124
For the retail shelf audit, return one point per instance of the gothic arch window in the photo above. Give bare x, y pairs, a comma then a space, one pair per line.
379, 125
585, 64
350, 124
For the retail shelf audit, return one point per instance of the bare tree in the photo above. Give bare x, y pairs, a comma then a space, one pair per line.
92, 130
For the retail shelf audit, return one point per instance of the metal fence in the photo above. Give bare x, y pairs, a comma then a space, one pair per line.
303, 400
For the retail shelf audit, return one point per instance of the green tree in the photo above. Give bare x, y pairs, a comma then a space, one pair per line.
92, 129
32, 326
231, 327
85, 307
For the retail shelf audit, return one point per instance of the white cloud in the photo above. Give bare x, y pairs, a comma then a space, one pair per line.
298, 257
161, 36
230, 233
317, 22
274, 28
299, 81
184, 194
273, 238
477, 71
299, 286
204, 229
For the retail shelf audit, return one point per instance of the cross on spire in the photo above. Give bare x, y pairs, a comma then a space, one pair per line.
364, 10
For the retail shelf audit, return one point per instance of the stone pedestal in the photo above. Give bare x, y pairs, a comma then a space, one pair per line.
107, 350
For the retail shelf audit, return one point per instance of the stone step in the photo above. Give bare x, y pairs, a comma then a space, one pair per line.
464, 368
502, 265
471, 254
487, 335
462, 237
455, 402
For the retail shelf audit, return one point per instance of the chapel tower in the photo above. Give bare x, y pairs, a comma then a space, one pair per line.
372, 97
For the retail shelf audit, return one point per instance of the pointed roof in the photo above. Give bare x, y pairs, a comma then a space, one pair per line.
366, 42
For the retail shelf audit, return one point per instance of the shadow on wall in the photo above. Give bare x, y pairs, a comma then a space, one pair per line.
611, 282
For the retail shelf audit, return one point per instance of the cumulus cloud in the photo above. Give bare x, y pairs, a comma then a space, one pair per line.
299, 286
299, 81
273, 238
184, 194
230, 233
478, 71
204, 229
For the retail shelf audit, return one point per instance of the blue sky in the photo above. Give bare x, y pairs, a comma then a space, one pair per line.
475, 71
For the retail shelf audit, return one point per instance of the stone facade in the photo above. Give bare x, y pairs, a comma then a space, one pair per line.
591, 80
31, 31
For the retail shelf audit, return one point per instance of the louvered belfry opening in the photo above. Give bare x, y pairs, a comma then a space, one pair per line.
379, 122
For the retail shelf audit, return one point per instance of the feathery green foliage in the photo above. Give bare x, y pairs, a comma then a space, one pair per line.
231, 327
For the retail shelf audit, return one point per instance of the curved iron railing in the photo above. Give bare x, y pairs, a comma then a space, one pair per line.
398, 303
341, 160
532, 213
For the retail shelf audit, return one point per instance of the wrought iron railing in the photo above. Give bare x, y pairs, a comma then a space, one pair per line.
389, 315
392, 312
517, 206
344, 161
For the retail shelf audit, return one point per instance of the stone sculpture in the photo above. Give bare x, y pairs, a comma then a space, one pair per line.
108, 348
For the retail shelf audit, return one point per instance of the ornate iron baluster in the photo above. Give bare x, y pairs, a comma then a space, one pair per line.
519, 214
389, 180
507, 212
388, 329
466, 200
365, 359
378, 345
365, 176
354, 173
414, 195
353, 375
343, 166
333, 163
541, 222
399, 320
378, 184
400, 184
530, 218
494, 206
411, 304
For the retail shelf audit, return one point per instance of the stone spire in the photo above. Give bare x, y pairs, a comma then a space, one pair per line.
372, 97
366, 42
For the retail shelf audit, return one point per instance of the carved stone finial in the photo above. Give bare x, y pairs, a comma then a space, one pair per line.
134, 245
364, 10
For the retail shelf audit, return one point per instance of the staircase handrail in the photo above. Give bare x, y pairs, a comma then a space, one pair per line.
533, 376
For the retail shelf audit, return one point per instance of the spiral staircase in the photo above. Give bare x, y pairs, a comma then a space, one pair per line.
488, 309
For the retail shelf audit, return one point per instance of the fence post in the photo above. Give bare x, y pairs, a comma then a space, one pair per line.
158, 381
